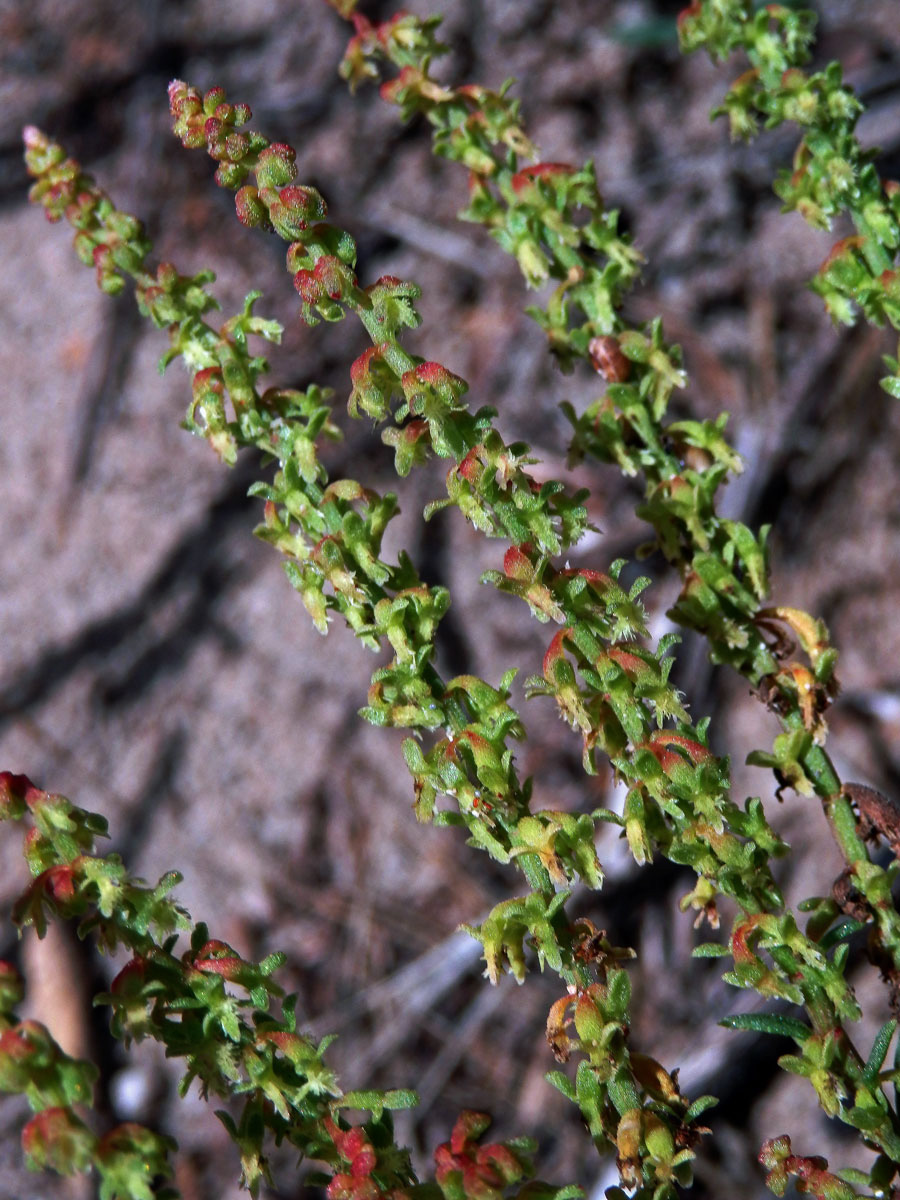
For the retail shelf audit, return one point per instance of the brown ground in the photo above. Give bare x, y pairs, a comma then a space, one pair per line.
159, 669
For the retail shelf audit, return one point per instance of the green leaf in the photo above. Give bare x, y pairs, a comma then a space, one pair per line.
844, 929
773, 1023
711, 950
878, 1053
562, 1083
618, 995
375, 1102
854, 1175
699, 1107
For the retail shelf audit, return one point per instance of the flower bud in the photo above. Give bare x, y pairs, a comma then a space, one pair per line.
230, 175
658, 1138
12, 988
250, 209
276, 165
14, 792
212, 99
57, 1139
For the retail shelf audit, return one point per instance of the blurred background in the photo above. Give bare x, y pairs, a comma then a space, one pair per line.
158, 668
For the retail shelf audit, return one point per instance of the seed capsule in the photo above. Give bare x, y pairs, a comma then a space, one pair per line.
608, 360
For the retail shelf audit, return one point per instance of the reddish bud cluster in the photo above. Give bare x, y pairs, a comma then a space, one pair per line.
465, 1169
186, 107
810, 1172
211, 122
355, 1150
111, 241
368, 42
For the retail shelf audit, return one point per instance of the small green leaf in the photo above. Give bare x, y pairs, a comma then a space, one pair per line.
711, 950
562, 1083
375, 1102
844, 929
699, 1107
773, 1023
878, 1053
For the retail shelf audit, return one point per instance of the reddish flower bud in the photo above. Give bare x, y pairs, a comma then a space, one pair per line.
60, 883
530, 175
212, 99
631, 664
328, 273
839, 250
12, 988
392, 90
384, 283
308, 286
186, 107
209, 380
229, 968
130, 980
14, 795
218, 958
697, 752
307, 200
236, 146
693, 10
276, 165
431, 378
167, 276
58, 1139
740, 944
360, 367
348, 1187
517, 565
294, 207
660, 742
555, 653
250, 209
230, 175
26, 1040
